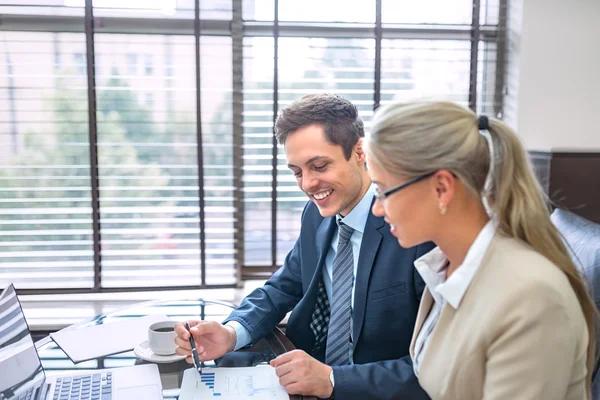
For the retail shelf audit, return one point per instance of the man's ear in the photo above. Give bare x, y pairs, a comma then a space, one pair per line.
359, 151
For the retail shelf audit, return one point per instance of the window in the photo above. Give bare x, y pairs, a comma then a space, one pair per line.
132, 64
257, 149
80, 63
57, 53
148, 60
427, 12
425, 68
45, 215
196, 194
99, 65
147, 171
327, 11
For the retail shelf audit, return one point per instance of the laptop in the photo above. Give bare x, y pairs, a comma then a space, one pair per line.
22, 376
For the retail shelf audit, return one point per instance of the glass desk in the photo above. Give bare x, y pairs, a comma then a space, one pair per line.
276, 343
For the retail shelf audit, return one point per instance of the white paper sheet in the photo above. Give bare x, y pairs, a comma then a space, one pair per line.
106, 339
232, 384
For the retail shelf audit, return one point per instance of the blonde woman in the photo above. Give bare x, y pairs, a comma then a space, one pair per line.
505, 314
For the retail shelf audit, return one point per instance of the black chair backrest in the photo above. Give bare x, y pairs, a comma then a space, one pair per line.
583, 241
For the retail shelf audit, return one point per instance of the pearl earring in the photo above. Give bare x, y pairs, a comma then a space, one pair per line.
442, 209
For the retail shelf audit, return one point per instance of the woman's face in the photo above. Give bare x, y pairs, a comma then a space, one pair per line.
412, 212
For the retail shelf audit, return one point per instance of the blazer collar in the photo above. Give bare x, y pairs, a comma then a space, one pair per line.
368, 250
424, 308
323, 241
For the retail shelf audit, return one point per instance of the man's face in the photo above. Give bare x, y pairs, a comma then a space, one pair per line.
333, 183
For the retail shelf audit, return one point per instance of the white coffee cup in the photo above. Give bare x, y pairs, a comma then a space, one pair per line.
161, 338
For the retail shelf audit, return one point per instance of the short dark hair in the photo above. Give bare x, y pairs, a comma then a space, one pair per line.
337, 115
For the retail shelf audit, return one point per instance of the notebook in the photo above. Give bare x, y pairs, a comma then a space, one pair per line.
111, 338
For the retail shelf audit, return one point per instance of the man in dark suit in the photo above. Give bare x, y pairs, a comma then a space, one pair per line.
353, 290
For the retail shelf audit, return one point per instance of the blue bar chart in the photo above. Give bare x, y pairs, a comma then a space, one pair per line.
208, 380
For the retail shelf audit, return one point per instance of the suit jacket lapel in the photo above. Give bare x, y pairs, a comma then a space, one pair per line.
424, 309
323, 239
368, 250
322, 243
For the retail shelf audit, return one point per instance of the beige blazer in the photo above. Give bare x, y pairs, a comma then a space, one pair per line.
519, 333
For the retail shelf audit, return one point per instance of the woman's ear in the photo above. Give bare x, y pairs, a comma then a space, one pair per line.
445, 186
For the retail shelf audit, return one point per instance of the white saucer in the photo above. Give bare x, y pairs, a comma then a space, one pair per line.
145, 353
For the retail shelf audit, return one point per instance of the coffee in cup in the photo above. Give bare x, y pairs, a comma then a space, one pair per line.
161, 338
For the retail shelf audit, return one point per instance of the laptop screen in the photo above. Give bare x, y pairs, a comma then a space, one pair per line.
20, 367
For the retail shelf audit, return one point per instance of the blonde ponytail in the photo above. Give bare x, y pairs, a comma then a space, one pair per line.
521, 211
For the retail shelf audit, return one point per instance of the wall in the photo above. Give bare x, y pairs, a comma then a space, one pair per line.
552, 96
557, 51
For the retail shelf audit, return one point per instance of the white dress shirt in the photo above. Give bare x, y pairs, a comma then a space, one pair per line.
356, 219
433, 267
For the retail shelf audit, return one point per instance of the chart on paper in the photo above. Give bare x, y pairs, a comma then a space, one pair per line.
232, 384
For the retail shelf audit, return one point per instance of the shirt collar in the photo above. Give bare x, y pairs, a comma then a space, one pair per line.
432, 268
357, 217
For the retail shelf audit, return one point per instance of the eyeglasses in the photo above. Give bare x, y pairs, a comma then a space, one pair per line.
387, 193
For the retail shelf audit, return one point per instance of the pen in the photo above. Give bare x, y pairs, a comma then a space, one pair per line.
197, 362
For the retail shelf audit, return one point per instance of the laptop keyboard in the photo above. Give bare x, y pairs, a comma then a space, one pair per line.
27, 395
84, 387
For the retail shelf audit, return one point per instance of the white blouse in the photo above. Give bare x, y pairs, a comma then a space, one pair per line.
432, 267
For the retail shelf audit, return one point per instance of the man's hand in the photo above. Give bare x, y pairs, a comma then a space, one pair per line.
213, 340
301, 374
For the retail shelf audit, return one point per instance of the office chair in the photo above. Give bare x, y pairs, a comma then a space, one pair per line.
583, 240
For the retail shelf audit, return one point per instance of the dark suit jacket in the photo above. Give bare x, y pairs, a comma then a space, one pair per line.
386, 301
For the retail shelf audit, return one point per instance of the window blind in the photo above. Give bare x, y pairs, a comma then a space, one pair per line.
45, 213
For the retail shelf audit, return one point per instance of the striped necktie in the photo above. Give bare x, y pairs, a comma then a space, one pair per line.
337, 351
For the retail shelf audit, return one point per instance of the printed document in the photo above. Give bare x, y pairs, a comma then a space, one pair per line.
259, 382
